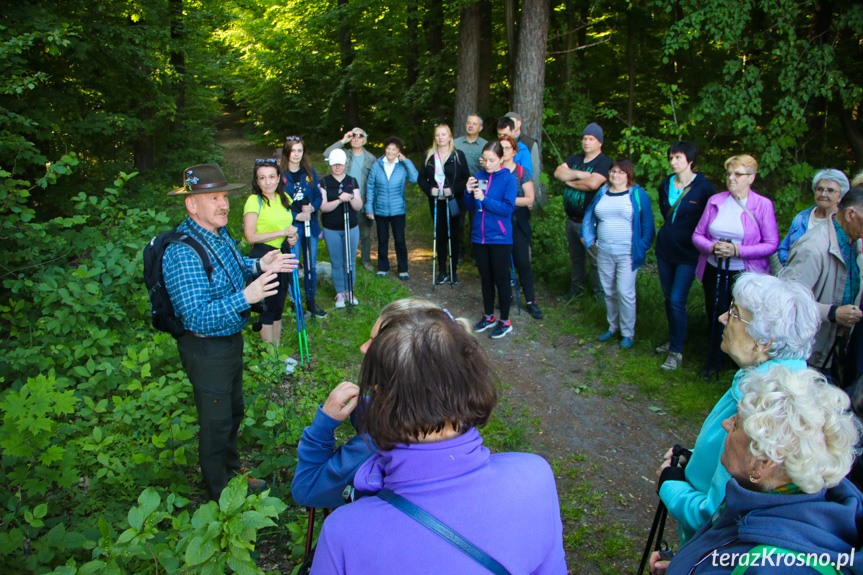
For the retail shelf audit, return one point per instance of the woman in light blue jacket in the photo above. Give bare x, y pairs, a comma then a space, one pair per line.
620, 221
385, 203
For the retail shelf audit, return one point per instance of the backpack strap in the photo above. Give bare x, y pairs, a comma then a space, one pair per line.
444, 531
767, 555
187, 240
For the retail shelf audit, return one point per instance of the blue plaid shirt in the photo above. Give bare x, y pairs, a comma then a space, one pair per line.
208, 308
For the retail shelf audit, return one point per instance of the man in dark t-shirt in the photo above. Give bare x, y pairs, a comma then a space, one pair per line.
583, 175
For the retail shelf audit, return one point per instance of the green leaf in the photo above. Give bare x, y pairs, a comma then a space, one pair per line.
97, 434
243, 567
40, 510
233, 495
136, 518
199, 550
127, 536
149, 500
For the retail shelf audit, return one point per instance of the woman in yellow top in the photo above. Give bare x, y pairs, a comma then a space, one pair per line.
267, 224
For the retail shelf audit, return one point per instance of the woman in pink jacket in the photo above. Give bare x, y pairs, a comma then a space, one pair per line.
737, 232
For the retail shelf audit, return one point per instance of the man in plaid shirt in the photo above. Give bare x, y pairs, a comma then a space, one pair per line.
214, 312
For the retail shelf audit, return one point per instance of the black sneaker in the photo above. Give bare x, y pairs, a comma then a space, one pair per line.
486, 322
533, 310
454, 279
571, 294
441, 279
319, 313
500, 330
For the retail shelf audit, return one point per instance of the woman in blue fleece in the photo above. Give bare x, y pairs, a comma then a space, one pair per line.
788, 449
771, 322
429, 386
323, 472
491, 195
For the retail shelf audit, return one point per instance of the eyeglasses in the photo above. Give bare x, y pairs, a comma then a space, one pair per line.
822, 189
357, 135
737, 174
266, 162
616, 172
735, 314
293, 139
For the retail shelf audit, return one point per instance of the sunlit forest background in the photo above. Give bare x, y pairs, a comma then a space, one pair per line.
104, 102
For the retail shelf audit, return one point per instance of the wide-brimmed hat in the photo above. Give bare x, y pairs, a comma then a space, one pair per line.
204, 179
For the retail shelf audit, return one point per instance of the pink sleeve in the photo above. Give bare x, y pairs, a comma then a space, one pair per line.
701, 236
769, 235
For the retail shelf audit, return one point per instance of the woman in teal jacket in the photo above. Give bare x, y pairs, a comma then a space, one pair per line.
620, 221
491, 195
385, 203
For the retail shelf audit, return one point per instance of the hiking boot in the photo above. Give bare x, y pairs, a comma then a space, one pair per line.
606, 336
441, 279
368, 267
501, 329
256, 485
381, 274
486, 322
673, 361
571, 294
626, 343
533, 310
318, 312
663, 348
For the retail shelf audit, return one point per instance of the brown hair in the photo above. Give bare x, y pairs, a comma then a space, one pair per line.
627, 168
284, 161
421, 373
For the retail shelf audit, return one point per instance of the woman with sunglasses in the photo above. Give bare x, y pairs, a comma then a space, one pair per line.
443, 177
267, 226
737, 232
302, 185
521, 230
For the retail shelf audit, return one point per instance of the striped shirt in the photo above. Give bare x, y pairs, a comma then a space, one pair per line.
614, 223
208, 308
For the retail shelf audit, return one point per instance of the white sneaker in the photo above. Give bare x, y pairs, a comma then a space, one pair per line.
663, 348
672, 362
354, 301
340, 300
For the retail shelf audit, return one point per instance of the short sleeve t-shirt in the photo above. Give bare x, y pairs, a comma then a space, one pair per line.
335, 220
575, 202
272, 216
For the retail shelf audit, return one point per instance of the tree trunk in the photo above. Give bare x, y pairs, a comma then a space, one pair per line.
511, 9
412, 60
352, 107
434, 26
485, 57
529, 82
178, 59
630, 63
467, 68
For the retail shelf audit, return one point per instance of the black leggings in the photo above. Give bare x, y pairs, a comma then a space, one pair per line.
521, 258
442, 241
493, 262
717, 303
274, 305
398, 225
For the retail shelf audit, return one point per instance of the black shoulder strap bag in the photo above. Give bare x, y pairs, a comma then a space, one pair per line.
441, 529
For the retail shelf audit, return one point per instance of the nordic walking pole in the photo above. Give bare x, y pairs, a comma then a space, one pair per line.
515, 283
434, 243
307, 270
449, 242
301, 320
713, 320
349, 288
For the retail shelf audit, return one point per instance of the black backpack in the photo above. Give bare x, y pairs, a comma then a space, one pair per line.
161, 309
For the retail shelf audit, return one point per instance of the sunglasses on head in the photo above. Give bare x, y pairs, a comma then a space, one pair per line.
266, 162
293, 139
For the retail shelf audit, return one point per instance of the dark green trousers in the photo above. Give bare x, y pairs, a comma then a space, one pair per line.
215, 368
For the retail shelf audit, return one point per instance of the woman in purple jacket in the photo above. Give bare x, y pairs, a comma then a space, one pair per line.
737, 232
491, 194
429, 386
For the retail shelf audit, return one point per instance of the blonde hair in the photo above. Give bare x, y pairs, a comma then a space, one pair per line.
433, 148
744, 160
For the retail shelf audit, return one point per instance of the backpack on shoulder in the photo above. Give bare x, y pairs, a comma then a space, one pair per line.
161, 309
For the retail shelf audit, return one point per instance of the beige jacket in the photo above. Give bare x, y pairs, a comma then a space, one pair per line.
816, 261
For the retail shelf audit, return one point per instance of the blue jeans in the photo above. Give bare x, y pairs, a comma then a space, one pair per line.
299, 249
335, 240
676, 281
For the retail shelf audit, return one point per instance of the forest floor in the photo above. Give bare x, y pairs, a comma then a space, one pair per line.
578, 403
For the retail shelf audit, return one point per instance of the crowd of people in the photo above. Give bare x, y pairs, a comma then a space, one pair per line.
767, 472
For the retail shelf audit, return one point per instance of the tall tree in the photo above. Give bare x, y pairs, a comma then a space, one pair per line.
467, 68
352, 107
485, 56
511, 18
529, 80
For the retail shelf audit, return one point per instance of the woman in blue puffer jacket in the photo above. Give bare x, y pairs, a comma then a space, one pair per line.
385, 203
491, 193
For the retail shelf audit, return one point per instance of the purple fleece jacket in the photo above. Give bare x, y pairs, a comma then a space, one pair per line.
506, 504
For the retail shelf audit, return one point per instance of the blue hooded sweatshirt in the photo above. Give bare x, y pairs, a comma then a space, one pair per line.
493, 225
828, 522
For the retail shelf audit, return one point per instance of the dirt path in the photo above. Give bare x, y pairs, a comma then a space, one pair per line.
603, 444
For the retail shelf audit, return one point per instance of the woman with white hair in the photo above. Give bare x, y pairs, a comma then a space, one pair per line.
829, 186
771, 321
788, 448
